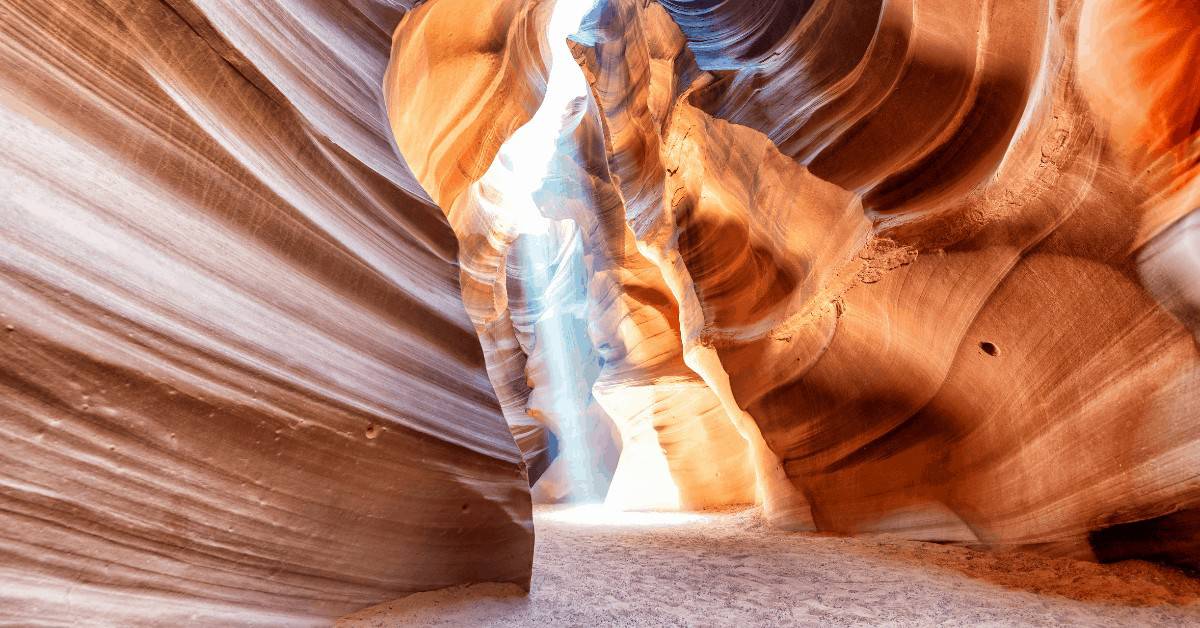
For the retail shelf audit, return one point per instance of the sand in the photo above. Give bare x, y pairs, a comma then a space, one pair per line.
726, 569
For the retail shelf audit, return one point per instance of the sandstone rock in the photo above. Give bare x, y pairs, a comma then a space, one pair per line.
894, 245
919, 267
239, 386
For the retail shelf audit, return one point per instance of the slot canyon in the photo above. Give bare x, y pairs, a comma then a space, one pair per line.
599, 312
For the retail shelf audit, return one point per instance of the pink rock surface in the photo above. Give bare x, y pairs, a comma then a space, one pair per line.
238, 383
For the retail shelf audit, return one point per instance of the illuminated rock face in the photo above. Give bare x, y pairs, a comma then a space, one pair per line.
883, 266
238, 383
920, 267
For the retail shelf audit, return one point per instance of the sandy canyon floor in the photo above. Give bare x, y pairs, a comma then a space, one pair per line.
597, 568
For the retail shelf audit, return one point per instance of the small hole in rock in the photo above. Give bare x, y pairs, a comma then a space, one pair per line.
373, 431
989, 348
466, 507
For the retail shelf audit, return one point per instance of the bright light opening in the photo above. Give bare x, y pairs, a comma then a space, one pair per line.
524, 167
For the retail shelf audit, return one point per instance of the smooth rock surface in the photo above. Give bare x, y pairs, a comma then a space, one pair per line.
237, 383
910, 255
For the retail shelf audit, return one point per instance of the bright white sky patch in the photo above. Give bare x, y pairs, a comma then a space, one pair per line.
524, 160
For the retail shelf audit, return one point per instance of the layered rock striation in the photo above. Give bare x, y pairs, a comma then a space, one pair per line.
884, 267
237, 382
917, 267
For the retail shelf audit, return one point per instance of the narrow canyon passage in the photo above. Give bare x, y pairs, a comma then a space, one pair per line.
599, 312
728, 568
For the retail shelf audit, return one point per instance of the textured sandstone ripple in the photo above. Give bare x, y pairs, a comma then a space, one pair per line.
900, 247
920, 267
238, 384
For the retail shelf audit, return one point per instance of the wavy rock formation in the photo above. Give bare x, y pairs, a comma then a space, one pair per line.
640, 382
238, 384
918, 267
884, 267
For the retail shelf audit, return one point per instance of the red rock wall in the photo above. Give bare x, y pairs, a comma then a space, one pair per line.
1013, 377
237, 383
899, 246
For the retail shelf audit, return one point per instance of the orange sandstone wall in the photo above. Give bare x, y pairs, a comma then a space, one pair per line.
899, 249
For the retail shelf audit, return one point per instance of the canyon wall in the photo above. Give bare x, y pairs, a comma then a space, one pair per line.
886, 267
237, 382
918, 267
